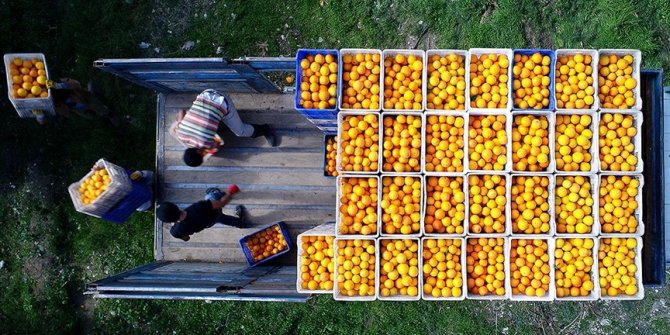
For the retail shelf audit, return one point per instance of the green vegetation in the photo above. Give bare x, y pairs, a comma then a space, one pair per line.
50, 251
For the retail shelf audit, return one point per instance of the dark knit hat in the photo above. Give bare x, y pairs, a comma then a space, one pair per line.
168, 212
192, 157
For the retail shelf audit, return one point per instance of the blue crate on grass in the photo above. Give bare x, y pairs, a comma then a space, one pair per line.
327, 135
302, 54
247, 251
552, 76
139, 194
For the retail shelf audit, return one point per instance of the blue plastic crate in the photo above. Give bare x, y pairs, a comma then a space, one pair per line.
247, 252
319, 114
302, 54
552, 76
326, 136
139, 194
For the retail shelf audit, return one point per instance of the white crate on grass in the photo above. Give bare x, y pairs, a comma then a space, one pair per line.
119, 187
594, 150
470, 295
463, 274
464, 161
338, 215
636, 140
637, 61
595, 293
419, 53
340, 118
337, 295
550, 294
508, 206
380, 75
326, 229
464, 186
379, 284
594, 73
25, 106
551, 201
638, 274
510, 57
594, 181
466, 76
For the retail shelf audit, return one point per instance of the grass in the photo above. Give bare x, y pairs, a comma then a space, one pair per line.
50, 252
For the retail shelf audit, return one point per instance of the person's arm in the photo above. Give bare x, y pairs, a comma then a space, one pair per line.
180, 115
217, 204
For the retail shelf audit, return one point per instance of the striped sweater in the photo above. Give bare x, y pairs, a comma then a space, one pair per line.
198, 127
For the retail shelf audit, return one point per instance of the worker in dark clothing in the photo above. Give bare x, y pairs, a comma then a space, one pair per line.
202, 214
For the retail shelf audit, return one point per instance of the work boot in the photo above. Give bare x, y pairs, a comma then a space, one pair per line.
266, 131
241, 213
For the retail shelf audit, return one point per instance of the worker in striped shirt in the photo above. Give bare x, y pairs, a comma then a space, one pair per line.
197, 128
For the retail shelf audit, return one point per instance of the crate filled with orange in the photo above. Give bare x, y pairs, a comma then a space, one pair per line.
443, 269
531, 143
445, 205
620, 204
402, 142
28, 77
357, 205
575, 268
361, 79
444, 149
620, 268
399, 264
447, 73
530, 268
102, 188
94, 185
355, 269
317, 84
487, 142
358, 150
533, 79
485, 266
619, 79
574, 205
574, 145
531, 205
403, 80
490, 79
488, 203
620, 142
576, 76
330, 156
315, 262
266, 244
401, 204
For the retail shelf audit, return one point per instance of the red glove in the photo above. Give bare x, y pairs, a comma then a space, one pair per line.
232, 189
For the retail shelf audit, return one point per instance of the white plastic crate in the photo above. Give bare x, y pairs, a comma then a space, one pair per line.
551, 200
327, 229
380, 75
508, 207
119, 187
594, 74
551, 122
551, 292
636, 140
637, 61
594, 150
425, 206
382, 137
638, 211
336, 293
506, 285
393, 52
594, 181
338, 215
508, 145
638, 274
466, 62
510, 57
340, 119
378, 284
25, 106
595, 293
463, 256
464, 162
421, 205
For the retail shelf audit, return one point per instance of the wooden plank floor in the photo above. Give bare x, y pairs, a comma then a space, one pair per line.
277, 184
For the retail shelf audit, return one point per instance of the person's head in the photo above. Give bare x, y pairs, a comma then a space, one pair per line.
168, 212
192, 157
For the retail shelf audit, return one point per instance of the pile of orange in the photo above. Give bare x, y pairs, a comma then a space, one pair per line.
358, 206
531, 81
617, 204
268, 242
444, 143
617, 146
574, 214
402, 82
487, 199
485, 265
573, 261
574, 83
529, 267
29, 78
401, 205
615, 81
530, 205
573, 142
318, 85
93, 186
331, 156
359, 143
402, 143
530, 143
487, 142
489, 78
316, 263
399, 268
446, 82
616, 266
445, 205
442, 270
356, 268
360, 81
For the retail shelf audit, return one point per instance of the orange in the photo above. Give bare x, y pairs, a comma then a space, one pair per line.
480, 73
531, 81
358, 216
530, 205
617, 134
616, 82
317, 78
617, 204
530, 143
487, 142
401, 205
